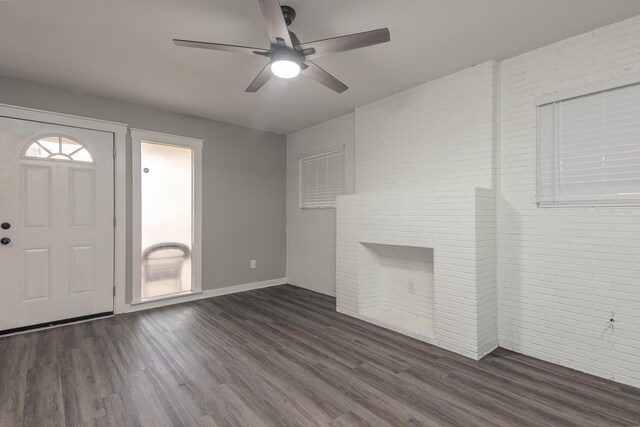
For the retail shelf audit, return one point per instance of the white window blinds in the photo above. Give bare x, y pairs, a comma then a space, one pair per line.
589, 149
321, 179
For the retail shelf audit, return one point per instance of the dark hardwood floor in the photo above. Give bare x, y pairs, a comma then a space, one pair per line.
282, 357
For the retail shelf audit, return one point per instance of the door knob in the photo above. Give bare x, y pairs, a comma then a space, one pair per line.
5, 240
5, 226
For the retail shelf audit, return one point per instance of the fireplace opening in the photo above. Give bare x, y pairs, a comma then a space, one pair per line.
396, 288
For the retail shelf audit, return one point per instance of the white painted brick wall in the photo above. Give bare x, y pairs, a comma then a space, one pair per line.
437, 140
563, 271
311, 233
437, 136
486, 271
444, 221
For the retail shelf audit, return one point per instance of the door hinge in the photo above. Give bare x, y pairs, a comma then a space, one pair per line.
114, 291
114, 222
114, 151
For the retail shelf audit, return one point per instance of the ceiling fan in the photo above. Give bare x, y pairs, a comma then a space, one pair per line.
288, 57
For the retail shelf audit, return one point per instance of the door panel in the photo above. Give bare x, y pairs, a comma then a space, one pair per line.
82, 197
58, 196
82, 269
36, 274
166, 200
36, 196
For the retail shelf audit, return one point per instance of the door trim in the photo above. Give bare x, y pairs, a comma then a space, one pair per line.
137, 137
119, 131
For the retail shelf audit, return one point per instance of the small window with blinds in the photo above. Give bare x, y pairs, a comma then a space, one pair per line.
589, 149
321, 179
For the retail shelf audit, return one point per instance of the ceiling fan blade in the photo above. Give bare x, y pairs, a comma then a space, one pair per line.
344, 43
314, 72
262, 78
276, 26
222, 47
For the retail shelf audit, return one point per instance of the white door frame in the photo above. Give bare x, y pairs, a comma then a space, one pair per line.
137, 136
119, 131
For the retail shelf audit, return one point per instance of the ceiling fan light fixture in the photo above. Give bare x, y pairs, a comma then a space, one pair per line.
285, 66
288, 57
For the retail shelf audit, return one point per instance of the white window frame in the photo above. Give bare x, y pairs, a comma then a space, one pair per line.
137, 137
552, 99
325, 151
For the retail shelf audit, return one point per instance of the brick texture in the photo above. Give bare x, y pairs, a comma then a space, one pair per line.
563, 272
428, 164
311, 233
445, 222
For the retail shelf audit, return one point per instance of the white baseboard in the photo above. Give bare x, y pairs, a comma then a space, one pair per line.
206, 294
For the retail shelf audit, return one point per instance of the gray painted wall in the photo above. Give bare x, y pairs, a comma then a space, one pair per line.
244, 179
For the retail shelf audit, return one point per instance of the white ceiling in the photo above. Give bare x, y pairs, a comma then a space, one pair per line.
122, 49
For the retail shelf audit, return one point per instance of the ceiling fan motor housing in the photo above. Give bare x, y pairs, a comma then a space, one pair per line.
289, 14
286, 55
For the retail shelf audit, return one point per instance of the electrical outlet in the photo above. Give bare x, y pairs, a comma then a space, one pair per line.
253, 263
412, 287
611, 325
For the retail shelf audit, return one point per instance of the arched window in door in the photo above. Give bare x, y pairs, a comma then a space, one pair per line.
58, 148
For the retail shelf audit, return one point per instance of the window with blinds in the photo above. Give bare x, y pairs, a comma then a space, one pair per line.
321, 179
589, 149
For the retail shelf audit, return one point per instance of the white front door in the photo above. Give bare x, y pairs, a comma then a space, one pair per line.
57, 210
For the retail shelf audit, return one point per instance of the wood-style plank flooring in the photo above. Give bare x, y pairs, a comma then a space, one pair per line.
282, 356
